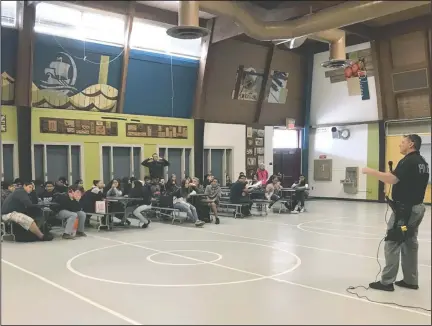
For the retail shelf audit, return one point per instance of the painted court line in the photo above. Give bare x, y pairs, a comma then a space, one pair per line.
287, 243
280, 281
76, 295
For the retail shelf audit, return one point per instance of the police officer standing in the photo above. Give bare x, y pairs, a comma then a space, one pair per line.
409, 180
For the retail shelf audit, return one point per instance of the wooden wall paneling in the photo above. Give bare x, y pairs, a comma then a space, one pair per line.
125, 63
385, 71
408, 49
202, 76
376, 66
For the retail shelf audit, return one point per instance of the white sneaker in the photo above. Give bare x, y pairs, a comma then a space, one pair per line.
302, 210
294, 212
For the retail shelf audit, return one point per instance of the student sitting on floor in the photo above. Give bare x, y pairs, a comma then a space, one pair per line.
301, 188
7, 189
213, 192
15, 208
180, 203
239, 195
142, 192
70, 210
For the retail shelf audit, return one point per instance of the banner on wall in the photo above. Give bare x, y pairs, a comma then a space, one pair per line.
156, 131
254, 150
3, 123
78, 127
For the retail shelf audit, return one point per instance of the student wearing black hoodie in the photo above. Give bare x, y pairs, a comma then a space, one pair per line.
70, 210
156, 166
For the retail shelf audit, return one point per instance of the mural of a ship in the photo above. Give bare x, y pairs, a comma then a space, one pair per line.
8, 89
58, 75
59, 90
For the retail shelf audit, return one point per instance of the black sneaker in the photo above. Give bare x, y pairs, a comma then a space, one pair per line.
379, 286
68, 236
47, 237
81, 234
145, 225
402, 284
217, 221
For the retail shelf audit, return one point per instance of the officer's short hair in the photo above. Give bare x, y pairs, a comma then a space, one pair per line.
416, 139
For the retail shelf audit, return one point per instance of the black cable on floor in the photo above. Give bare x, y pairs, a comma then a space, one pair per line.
351, 288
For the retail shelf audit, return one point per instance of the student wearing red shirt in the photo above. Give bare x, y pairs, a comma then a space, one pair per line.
262, 174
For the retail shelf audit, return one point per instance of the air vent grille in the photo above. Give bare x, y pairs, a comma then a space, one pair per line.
410, 80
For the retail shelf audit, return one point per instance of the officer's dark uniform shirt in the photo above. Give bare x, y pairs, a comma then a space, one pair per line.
413, 174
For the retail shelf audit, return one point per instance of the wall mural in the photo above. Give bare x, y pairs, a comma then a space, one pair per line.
249, 81
278, 88
254, 150
57, 86
248, 84
356, 74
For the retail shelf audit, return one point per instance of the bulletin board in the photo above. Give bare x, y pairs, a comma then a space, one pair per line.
254, 149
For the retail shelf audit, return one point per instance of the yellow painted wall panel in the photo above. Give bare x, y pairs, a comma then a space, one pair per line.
11, 133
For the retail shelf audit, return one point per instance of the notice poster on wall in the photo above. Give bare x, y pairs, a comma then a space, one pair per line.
78, 127
3, 123
156, 131
254, 150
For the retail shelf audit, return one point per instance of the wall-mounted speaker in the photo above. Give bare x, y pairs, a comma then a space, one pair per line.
335, 133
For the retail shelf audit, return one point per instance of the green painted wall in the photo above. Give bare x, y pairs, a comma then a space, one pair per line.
372, 160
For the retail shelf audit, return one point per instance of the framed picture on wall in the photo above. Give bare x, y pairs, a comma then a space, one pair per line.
259, 142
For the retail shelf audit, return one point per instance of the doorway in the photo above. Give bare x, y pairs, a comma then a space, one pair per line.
287, 161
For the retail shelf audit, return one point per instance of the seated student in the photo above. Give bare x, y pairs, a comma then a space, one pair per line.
39, 187
61, 186
213, 193
301, 188
180, 203
90, 197
70, 210
7, 189
79, 183
207, 180
195, 185
15, 207
112, 189
142, 192
271, 193
239, 195
228, 181
48, 194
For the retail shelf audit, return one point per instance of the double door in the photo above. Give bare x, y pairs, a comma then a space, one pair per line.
287, 162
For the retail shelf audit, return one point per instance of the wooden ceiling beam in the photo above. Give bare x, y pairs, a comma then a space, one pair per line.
141, 12
404, 27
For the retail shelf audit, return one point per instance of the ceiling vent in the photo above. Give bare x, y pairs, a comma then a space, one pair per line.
188, 22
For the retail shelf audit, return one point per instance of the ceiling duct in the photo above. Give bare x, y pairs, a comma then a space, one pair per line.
188, 22
323, 26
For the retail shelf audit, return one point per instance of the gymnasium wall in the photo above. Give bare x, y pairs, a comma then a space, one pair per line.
94, 75
336, 99
91, 152
224, 135
360, 150
9, 46
10, 116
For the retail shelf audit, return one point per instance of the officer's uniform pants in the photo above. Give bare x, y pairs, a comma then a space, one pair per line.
408, 250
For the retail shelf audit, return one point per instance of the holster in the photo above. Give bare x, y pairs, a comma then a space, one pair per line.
402, 213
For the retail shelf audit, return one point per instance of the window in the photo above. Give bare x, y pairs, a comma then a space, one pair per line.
180, 159
285, 138
9, 13
148, 35
52, 161
218, 161
82, 24
119, 161
9, 161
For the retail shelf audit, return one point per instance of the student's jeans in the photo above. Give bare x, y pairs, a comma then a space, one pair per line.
189, 209
71, 217
138, 213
